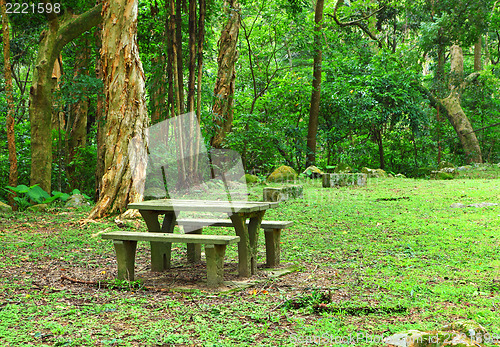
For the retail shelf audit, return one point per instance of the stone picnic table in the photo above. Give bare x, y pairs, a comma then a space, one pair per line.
238, 211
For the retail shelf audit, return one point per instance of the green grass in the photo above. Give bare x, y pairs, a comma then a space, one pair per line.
362, 253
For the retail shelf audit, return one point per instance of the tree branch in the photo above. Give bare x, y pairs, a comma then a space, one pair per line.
353, 22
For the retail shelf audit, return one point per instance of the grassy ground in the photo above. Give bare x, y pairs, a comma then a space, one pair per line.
375, 260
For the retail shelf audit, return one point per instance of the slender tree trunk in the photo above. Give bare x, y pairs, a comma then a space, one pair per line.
60, 31
77, 122
11, 140
157, 104
126, 116
201, 38
312, 129
180, 61
224, 86
478, 66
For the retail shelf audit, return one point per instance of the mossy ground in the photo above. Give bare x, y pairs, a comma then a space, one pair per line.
373, 261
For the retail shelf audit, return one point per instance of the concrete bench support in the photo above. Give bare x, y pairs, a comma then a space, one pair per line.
272, 233
125, 243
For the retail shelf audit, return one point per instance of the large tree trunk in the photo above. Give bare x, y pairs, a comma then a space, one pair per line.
11, 141
224, 86
456, 114
126, 116
100, 117
77, 122
60, 31
312, 129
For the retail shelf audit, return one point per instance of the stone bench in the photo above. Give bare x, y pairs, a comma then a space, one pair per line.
343, 179
125, 243
272, 232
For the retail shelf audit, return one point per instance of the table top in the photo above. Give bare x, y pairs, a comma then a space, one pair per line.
202, 205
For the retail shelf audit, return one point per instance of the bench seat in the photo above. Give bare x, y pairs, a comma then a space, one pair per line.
272, 232
125, 243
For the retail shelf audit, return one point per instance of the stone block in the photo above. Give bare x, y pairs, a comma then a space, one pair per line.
345, 179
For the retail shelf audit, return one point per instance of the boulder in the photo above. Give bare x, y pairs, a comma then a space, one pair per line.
445, 164
251, 178
342, 168
282, 174
442, 175
5, 208
37, 208
374, 173
312, 172
463, 333
76, 200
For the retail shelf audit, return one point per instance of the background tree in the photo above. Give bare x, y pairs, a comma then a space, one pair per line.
61, 30
11, 144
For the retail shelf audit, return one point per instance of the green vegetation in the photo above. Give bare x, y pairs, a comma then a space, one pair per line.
375, 260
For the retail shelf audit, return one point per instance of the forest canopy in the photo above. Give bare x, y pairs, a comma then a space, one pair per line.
397, 85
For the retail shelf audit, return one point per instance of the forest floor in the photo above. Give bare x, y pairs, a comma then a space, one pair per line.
371, 261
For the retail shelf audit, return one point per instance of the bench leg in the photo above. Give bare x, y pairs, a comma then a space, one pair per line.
272, 247
160, 256
215, 264
194, 249
125, 257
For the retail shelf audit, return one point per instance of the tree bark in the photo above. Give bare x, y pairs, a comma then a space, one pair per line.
11, 140
60, 31
456, 114
224, 86
312, 128
99, 117
126, 116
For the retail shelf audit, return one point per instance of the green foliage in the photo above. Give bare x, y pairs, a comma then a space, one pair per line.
27, 196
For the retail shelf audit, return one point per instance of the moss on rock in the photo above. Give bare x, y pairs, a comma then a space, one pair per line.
282, 174
343, 168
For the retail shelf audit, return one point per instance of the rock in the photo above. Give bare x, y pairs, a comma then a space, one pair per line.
457, 205
282, 174
342, 168
5, 208
445, 164
313, 172
482, 204
462, 333
251, 178
441, 175
375, 173
415, 338
283, 193
467, 327
76, 200
37, 208
345, 179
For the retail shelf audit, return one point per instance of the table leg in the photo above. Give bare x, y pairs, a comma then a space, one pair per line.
247, 247
194, 249
160, 251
